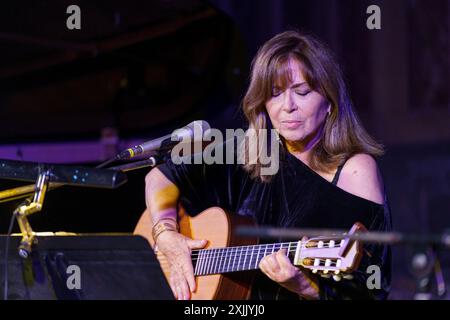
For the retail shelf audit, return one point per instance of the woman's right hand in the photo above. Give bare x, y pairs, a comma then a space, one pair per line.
177, 250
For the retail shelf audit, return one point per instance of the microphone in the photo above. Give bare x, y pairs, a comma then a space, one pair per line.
193, 131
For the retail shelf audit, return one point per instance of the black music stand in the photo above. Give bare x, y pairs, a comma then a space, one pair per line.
111, 267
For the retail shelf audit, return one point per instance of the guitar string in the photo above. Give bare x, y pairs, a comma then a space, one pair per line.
214, 254
293, 247
230, 255
211, 265
163, 259
228, 251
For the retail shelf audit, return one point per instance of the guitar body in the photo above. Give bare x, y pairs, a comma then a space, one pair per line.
216, 226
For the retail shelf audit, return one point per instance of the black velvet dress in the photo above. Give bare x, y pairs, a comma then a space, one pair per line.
296, 197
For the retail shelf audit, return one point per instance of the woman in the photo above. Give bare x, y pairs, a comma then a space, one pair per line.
327, 177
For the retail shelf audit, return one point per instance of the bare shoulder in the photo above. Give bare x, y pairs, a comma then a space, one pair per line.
361, 177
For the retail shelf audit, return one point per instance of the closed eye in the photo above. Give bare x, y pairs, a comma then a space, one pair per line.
276, 92
302, 93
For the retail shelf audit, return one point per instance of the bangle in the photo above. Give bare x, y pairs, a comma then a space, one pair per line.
161, 226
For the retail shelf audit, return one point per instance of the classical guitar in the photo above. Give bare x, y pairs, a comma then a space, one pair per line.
216, 266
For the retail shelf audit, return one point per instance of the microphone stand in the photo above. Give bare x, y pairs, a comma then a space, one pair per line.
24, 191
27, 208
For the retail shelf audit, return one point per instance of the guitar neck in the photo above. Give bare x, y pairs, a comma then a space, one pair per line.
232, 259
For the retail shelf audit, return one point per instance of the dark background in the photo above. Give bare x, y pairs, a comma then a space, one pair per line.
139, 69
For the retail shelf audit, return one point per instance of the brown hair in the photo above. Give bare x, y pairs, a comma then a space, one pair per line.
342, 134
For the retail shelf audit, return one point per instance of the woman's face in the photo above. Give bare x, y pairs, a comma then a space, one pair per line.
298, 112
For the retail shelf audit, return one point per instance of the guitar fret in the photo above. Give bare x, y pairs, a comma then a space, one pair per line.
217, 261
197, 264
245, 258
251, 257
257, 259
223, 257
234, 251
242, 255
224, 260
239, 253
234, 259
217, 258
219, 270
214, 261
239, 260
260, 252
229, 259
202, 261
247, 255
282, 246
205, 261
236, 255
208, 264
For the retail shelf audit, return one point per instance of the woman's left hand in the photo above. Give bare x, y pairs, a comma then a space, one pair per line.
279, 268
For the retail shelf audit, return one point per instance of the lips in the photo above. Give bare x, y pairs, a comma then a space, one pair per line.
291, 124
290, 121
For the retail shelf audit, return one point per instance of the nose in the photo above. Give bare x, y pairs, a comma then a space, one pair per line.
288, 103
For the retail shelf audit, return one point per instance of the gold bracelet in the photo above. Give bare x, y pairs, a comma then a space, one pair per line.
161, 226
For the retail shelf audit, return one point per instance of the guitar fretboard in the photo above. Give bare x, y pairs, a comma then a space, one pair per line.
231, 259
